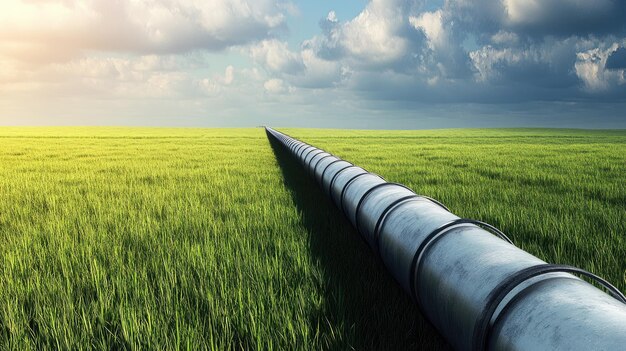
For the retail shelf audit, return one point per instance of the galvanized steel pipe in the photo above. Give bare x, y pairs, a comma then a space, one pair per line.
478, 289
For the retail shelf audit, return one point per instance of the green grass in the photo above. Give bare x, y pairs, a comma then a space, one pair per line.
159, 238
559, 194
213, 239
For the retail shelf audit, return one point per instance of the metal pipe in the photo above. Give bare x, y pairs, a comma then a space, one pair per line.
478, 289
314, 160
321, 166
331, 171
341, 179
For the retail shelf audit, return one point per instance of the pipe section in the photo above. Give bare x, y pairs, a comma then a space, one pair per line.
479, 290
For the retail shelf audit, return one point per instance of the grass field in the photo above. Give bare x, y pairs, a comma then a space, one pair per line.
560, 194
198, 238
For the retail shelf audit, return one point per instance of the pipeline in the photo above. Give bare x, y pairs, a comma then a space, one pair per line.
479, 290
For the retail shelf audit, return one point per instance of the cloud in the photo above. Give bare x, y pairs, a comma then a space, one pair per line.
65, 29
229, 75
393, 55
127, 77
373, 39
332, 17
125, 50
275, 56
539, 18
373, 35
275, 86
471, 51
591, 68
319, 73
303, 68
564, 17
431, 23
617, 59
443, 55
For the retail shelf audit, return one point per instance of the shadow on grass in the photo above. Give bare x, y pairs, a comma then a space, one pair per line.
363, 308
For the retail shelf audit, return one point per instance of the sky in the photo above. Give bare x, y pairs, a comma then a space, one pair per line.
395, 64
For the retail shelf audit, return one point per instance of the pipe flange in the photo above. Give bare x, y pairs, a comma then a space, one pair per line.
303, 150
387, 211
299, 148
303, 159
332, 180
368, 193
316, 163
483, 325
343, 190
330, 164
435, 235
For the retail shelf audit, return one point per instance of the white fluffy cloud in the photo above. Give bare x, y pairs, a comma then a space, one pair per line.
392, 53
303, 68
67, 28
375, 38
431, 23
591, 69
372, 36
275, 86
127, 49
468, 49
276, 57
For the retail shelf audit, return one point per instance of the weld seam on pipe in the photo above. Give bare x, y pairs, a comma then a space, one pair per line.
321, 167
310, 157
437, 202
385, 213
422, 250
507, 298
306, 154
332, 181
327, 166
309, 164
350, 182
299, 147
302, 149
314, 167
498, 295
367, 194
